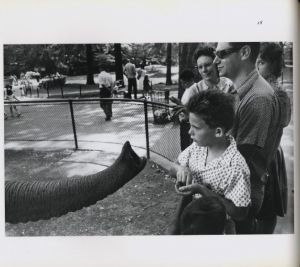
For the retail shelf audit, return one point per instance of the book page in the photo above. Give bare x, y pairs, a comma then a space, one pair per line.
131, 21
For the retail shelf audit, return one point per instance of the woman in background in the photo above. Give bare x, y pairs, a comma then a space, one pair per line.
269, 65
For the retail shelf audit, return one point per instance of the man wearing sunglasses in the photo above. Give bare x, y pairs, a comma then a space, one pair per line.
256, 124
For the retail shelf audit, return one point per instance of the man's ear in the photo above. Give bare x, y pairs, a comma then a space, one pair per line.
219, 132
245, 52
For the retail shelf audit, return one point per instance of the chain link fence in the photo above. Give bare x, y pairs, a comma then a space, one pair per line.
80, 124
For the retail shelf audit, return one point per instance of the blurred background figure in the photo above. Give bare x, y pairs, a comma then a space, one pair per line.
269, 64
130, 72
106, 89
141, 72
147, 86
9, 95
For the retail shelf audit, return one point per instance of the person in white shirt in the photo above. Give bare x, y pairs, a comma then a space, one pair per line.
105, 85
130, 72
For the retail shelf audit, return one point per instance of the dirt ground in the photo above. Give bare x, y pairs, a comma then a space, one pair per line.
143, 206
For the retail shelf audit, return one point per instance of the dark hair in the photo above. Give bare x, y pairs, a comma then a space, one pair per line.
272, 53
204, 51
102, 68
215, 107
254, 48
203, 216
187, 75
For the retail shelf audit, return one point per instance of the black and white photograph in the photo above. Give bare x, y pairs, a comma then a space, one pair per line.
79, 165
149, 134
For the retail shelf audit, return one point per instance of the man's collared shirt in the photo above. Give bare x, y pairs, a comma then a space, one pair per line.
228, 175
257, 116
130, 71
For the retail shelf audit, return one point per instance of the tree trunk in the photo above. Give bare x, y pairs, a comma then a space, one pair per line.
90, 64
169, 64
186, 52
118, 60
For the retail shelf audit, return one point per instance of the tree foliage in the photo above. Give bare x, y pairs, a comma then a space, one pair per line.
84, 59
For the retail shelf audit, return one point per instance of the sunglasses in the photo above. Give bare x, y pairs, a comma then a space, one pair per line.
221, 54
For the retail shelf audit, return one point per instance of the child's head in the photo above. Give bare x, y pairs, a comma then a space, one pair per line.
187, 78
211, 115
146, 78
203, 216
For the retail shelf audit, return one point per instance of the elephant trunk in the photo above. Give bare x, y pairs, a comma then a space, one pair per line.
31, 201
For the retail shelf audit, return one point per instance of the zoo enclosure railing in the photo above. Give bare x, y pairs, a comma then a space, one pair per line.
82, 121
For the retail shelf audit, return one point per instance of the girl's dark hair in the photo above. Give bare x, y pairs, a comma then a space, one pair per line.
204, 50
273, 54
215, 107
204, 216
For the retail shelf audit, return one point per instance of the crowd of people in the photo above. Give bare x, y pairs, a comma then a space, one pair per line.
136, 79
231, 171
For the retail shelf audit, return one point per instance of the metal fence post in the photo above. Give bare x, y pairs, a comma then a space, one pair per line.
62, 91
167, 95
47, 87
73, 124
146, 128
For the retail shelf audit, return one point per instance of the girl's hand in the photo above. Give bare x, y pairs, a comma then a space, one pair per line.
179, 185
190, 189
197, 189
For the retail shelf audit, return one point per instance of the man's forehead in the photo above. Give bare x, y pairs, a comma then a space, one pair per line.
222, 46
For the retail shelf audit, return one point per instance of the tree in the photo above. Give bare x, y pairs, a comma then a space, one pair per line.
90, 64
169, 64
118, 61
186, 52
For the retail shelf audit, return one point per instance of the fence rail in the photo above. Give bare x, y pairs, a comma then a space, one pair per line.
81, 121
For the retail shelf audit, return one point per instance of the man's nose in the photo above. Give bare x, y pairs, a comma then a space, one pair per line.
216, 60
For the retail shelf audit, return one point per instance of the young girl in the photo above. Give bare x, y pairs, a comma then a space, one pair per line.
212, 165
147, 85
